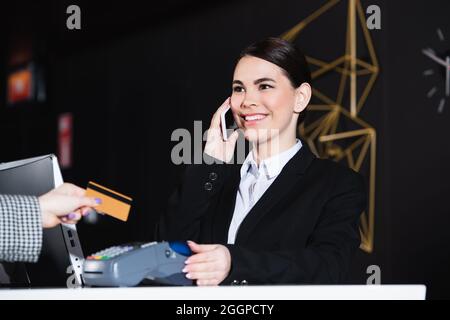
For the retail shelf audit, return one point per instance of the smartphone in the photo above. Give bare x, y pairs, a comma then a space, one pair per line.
227, 123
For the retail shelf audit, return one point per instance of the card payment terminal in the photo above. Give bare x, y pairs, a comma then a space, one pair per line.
128, 265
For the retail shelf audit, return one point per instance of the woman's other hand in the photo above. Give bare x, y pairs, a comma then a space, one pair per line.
209, 265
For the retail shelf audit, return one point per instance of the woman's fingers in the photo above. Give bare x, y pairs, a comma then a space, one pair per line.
201, 275
197, 248
209, 267
199, 258
86, 211
233, 137
202, 283
215, 122
215, 146
200, 267
72, 217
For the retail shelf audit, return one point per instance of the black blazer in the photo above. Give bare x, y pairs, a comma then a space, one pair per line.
304, 228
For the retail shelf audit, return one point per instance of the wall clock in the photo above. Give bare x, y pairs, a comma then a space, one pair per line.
438, 71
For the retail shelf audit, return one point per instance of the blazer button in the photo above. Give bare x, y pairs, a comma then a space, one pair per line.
244, 282
234, 283
208, 186
212, 176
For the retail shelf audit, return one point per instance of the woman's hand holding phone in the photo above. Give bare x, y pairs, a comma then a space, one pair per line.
216, 146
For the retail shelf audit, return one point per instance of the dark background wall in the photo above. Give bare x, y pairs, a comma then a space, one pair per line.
133, 74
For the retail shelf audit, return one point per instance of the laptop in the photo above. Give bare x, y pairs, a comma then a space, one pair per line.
61, 259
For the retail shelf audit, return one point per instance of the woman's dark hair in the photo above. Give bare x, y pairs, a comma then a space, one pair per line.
285, 55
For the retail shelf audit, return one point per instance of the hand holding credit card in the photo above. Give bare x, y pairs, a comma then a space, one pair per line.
113, 203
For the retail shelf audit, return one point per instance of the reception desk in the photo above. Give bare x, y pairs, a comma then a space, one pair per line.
338, 292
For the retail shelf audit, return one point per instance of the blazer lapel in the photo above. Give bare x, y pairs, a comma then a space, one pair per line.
283, 184
225, 210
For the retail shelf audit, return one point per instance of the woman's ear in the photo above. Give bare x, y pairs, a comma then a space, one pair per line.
302, 97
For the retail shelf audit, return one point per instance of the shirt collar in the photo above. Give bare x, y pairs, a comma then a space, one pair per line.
272, 166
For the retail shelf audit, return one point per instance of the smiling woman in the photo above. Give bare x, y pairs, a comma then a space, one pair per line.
270, 93
283, 216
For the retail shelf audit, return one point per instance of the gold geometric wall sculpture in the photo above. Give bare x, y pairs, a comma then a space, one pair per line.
328, 134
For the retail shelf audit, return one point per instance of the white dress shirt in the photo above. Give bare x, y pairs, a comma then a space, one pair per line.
254, 182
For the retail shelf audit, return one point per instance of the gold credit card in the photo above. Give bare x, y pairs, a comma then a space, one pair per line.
113, 203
